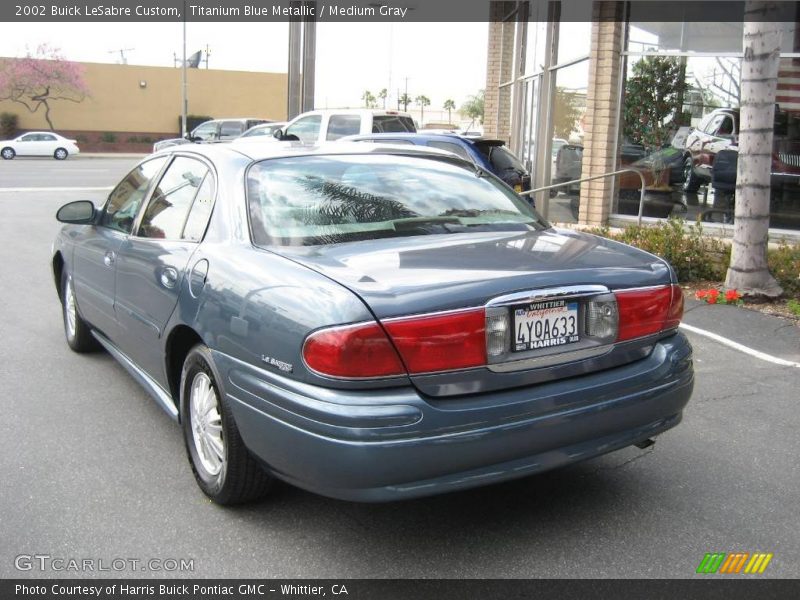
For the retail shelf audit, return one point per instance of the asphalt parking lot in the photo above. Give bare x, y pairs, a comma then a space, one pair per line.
92, 468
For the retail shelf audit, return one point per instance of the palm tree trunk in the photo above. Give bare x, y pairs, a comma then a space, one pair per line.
748, 270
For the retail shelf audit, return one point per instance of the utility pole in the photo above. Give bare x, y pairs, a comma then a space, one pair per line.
185, 99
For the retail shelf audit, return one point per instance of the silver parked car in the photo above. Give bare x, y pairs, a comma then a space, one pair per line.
368, 322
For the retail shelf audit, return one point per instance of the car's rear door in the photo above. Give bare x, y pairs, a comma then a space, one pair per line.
152, 262
46, 144
96, 247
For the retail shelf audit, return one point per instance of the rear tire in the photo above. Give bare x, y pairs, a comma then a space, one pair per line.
7, 153
223, 467
76, 331
691, 182
60, 154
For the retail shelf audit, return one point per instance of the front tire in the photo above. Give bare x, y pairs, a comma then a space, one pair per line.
60, 154
76, 331
7, 153
223, 467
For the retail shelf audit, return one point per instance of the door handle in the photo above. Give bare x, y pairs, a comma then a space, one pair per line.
169, 277
109, 258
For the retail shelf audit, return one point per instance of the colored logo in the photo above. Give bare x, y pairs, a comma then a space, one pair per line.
734, 563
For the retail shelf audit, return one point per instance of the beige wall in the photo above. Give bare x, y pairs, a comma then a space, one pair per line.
118, 103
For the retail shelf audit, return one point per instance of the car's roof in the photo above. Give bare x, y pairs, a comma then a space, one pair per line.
421, 135
273, 149
377, 112
49, 132
267, 124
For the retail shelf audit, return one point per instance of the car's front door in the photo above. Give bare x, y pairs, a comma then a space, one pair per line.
25, 145
152, 262
96, 247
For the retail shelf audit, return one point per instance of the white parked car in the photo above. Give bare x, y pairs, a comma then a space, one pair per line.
39, 143
318, 126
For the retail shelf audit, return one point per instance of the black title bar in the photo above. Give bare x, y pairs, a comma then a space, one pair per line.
33, 11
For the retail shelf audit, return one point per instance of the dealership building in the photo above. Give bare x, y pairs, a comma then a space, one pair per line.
547, 60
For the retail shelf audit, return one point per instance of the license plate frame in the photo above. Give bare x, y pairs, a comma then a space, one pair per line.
545, 325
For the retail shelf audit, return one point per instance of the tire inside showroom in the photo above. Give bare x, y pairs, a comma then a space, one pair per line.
222, 465
76, 331
691, 182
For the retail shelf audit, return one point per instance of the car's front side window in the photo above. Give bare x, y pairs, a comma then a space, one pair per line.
171, 199
31, 137
306, 129
206, 131
125, 200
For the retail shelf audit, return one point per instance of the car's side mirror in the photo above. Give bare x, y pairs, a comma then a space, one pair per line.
278, 134
80, 212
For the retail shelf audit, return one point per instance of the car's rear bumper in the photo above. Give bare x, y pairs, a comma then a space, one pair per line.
394, 444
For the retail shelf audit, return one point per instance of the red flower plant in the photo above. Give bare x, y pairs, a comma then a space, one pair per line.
713, 296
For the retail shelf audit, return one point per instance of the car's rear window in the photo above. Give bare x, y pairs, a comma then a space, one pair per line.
313, 200
500, 158
392, 124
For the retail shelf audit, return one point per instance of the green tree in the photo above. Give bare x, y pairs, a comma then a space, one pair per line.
473, 107
369, 99
449, 106
382, 95
405, 100
652, 97
422, 101
567, 110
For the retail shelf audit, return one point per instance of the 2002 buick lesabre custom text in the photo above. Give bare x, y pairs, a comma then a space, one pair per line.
368, 323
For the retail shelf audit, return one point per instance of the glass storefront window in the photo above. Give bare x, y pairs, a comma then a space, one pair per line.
689, 156
574, 41
569, 110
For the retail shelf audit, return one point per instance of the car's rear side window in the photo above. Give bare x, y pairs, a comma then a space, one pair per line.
342, 125
500, 157
314, 200
451, 147
172, 198
392, 124
200, 213
230, 129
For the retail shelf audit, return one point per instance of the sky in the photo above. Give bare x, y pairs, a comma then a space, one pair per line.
441, 60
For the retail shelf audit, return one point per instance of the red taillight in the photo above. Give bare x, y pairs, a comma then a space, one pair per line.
440, 342
352, 351
645, 312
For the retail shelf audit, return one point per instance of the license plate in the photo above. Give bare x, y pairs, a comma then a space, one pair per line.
545, 324
518, 188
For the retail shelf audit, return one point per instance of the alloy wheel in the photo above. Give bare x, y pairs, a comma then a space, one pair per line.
206, 424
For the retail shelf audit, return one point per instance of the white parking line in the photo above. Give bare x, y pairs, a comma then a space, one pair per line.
740, 347
56, 189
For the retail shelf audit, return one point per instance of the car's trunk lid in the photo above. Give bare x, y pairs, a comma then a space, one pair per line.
417, 275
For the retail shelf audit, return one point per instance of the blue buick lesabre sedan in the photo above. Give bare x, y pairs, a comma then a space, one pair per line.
368, 322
